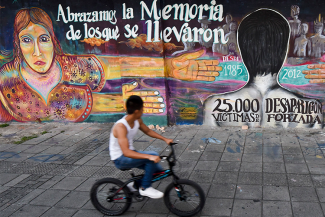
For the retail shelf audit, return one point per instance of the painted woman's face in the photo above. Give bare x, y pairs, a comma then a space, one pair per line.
37, 47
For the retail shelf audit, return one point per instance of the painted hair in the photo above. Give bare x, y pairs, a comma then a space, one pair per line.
36, 16
263, 38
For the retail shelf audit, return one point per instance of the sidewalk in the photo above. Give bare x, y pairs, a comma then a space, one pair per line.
254, 172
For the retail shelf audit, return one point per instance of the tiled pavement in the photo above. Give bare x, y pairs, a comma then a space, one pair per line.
255, 172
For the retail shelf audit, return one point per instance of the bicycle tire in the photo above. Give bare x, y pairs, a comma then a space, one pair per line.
98, 205
175, 210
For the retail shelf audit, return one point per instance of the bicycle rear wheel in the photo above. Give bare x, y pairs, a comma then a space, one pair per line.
101, 195
186, 198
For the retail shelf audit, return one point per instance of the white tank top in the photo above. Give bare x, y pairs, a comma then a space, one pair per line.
115, 150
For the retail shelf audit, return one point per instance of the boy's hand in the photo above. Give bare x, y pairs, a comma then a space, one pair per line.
154, 158
168, 141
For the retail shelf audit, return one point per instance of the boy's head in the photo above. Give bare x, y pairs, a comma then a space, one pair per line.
134, 105
263, 38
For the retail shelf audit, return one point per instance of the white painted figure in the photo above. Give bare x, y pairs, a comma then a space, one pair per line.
232, 38
295, 22
204, 24
300, 47
226, 27
316, 44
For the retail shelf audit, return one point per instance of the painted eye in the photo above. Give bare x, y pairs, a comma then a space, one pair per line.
26, 40
44, 39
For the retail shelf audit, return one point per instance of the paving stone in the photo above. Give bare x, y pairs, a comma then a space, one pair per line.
247, 208
86, 185
276, 193
59, 212
321, 194
231, 157
273, 158
207, 165
256, 158
249, 192
10, 210
154, 206
314, 160
253, 150
35, 149
51, 182
250, 178
291, 150
7, 177
98, 161
297, 168
274, 179
3, 188
222, 190
209, 155
88, 213
30, 211
316, 169
225, 166
299, 180
319, 180
74, 200
273, 168
84, 160
49, 197
151, 215
307, 194
32, 195
276, 208
225, 177
251, 167
16, 180
69, 183
217, 207
202, 176
303, 209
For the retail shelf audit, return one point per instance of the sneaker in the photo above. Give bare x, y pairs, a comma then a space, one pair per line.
151, 192
131, 186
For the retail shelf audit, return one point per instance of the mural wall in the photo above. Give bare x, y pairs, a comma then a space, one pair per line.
217, 63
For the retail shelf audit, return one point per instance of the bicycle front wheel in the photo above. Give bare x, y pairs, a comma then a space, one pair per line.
186, 198
107, 197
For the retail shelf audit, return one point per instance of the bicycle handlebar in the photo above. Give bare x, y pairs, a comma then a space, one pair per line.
171, 154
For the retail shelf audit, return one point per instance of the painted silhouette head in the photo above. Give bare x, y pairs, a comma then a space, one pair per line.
34, 39
263, 38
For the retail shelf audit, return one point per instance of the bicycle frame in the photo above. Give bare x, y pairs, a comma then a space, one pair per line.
156, 176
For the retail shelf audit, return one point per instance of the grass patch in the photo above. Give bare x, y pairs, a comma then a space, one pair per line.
25, 138
4, 125
44, 132
62, 131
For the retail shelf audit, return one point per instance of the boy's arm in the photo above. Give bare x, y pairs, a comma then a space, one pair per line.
120, 132
152, 133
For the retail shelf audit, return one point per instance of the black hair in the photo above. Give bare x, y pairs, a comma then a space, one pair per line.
133, 103
263, 41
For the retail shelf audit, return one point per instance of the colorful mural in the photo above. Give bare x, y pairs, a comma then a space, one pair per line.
210, 62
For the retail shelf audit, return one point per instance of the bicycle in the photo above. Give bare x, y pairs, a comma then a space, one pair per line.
117, 198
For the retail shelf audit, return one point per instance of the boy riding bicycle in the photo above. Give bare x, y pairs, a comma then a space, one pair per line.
123, 153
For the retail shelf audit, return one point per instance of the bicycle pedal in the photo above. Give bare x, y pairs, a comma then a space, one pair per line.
138, 197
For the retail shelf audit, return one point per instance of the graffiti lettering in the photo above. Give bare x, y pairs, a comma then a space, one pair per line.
292, 74
87, 16
292, 105
182, 11
248, 105
235, 117
305, 119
